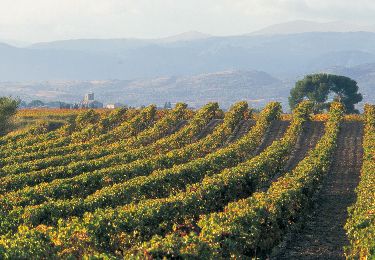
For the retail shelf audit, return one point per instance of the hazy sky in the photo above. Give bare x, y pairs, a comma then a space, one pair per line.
44, 20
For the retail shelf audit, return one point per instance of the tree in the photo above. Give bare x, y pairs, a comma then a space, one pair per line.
8, 108
317, 87
167, 105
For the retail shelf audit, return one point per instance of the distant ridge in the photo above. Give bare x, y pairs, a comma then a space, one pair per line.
105, 44
302, 26
283, 56
186, 36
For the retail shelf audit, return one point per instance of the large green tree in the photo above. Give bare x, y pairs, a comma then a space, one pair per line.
318, 87
8, 108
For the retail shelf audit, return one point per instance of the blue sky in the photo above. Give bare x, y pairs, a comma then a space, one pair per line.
45, 20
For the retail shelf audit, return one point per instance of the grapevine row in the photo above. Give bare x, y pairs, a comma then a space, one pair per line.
95, 151
120, 219
252, 227
360, 225
105, 163
41, 131
87, 125
131, 127
159, 183
94, 180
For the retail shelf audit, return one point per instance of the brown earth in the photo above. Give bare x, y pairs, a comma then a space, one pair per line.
322, 235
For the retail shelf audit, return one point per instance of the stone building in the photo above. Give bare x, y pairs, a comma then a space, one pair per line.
90, 102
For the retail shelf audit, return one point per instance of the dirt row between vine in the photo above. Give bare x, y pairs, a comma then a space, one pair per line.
275, 132
311, 134
178, 127
242, 129
209, 128
322, 234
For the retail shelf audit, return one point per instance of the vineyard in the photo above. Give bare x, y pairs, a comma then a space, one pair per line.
206, 184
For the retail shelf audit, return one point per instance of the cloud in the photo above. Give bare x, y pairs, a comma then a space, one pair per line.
40, 20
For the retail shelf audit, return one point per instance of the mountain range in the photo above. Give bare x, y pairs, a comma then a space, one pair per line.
302, 26
192, 66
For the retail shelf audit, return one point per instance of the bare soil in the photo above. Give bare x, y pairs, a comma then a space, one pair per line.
209, 128
311, 134
275, 132
322, 235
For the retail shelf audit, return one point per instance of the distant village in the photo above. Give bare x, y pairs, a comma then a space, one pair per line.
87, 102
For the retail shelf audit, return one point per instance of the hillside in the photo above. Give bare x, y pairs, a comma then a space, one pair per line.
225, 87
364, 74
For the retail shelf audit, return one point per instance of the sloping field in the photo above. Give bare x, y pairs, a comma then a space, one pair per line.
148, 184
